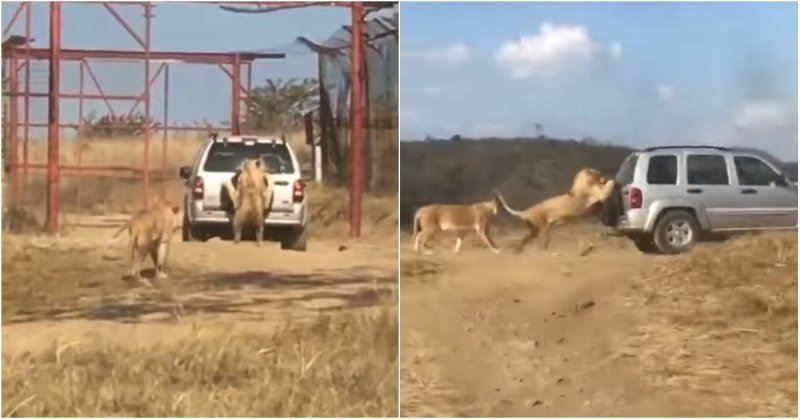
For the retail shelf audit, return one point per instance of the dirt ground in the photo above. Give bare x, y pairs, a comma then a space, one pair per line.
581, 330
71, 287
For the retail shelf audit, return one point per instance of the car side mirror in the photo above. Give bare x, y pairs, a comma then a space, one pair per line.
185, 172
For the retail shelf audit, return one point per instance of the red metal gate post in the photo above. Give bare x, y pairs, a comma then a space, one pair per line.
356, 147
248, 113
166, 135
79, 136
13, 119
236, 94
27, 101
146, 127
52, 118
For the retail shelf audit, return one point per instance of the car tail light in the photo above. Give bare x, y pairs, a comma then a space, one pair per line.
198, 188
298, 191
636, 198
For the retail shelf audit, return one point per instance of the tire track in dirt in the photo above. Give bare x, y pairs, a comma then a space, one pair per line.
536, 334
70, 288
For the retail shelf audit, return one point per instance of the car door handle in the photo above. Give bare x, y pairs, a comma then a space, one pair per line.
281, 182
694, 190
749, 191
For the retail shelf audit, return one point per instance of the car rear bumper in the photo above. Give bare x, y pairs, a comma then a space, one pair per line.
200, 216
633, 220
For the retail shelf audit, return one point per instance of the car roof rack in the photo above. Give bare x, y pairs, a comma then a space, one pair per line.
650, 149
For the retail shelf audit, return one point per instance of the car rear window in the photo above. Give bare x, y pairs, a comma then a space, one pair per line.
226, 157
626, 171
706, 170
662, 170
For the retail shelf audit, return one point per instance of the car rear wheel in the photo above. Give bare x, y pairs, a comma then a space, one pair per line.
190, 234
645, 243
296, 239
676, 232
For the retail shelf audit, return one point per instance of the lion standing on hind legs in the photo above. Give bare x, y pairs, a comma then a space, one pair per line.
589, 188
151, 233
250, 191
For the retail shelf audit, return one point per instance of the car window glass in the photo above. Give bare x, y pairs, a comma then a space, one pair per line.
625, 173
662, 170
753, 171
706, 170
226, 157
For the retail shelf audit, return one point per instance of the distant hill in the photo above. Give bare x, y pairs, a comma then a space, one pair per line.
526, 170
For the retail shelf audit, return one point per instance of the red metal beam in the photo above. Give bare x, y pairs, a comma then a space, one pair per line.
14, 18
356, 148
97, 85
146, 126
152, 80
230, 76
170, 128
124, 24
27, 102
69, 95
236, 96
53, 176
79, 137
248, 94
189, 57
13, 120
165, 131
74, 170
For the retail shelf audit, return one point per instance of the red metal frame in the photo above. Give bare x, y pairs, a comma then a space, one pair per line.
356, 148
53, 131
54, 54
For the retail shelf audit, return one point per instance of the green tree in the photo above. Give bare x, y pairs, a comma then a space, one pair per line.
280, 103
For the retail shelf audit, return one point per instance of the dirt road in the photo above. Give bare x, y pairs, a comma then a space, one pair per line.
537, 334
69, 288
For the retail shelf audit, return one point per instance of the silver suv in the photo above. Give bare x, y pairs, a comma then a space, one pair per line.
208, 209
668, 197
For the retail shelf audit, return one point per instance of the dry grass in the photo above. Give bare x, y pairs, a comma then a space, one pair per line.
723, 325
100, 195
329, 208
345, 365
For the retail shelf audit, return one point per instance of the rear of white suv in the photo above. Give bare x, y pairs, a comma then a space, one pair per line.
667, 197
207, 208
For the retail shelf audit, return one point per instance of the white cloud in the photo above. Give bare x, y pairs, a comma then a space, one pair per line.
449, 55
666, 93
552, 49
764, 115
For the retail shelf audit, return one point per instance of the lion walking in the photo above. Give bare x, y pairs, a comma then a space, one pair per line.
150, 233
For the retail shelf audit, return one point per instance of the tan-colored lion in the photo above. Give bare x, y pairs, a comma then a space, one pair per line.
151, 233
589, 188
251, 197
459, 218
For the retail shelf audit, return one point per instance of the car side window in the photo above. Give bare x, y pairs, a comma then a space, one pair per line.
753, 171
625, 174
662, 170
706, 170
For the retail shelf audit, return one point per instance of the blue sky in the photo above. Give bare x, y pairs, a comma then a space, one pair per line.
633, 73
196, 91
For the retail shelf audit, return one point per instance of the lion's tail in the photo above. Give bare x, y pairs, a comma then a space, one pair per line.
505, 205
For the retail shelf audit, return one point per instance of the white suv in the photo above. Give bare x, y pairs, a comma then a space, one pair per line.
208, 209
666, 198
